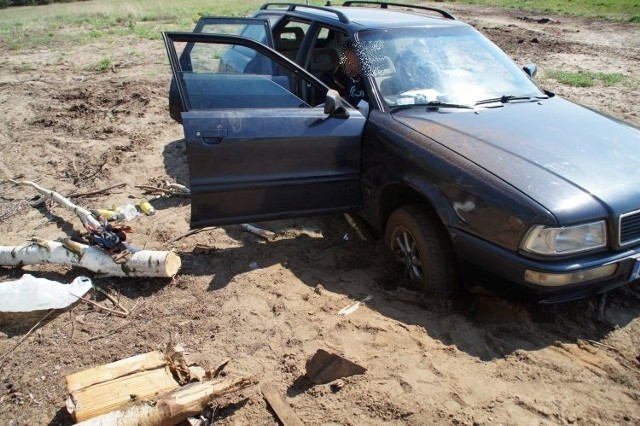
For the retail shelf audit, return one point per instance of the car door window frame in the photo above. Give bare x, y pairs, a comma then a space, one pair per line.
172, 37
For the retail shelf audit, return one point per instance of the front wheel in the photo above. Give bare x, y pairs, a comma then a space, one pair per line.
417, 243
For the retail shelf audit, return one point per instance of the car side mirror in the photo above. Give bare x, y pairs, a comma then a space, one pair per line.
531, 70
333, 105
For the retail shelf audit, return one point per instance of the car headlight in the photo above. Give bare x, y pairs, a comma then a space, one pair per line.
565, 240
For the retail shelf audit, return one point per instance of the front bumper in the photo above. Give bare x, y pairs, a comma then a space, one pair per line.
512, 267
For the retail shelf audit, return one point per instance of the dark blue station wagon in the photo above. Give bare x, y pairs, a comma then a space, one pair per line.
451, 152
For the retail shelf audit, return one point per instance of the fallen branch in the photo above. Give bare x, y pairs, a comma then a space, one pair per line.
173, 407
97, 191
190, 232
143, 263
85, 215
154, 189
116, 303
267, 235
177, 187
104, 308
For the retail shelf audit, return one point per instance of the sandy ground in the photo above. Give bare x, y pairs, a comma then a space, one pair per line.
270, 305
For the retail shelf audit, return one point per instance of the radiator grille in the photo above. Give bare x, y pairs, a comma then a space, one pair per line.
629, 228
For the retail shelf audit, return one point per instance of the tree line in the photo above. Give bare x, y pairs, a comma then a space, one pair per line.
9, 3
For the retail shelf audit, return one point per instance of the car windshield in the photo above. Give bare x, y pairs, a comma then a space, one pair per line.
454, 66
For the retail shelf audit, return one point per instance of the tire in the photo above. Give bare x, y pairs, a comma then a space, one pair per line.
416, 241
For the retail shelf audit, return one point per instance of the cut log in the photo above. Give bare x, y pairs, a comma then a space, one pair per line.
104, 373
171, 408
105, 388
106, 397
143, 263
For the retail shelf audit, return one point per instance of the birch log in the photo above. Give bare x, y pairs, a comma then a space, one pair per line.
171, 408
143, 263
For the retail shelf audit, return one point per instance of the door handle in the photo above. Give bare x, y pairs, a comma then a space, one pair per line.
212, 137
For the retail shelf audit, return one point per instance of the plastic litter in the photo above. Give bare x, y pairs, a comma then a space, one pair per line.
29, 293
352, 308
128, 210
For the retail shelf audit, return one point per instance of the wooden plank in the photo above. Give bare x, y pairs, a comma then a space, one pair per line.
283, 410
103, 397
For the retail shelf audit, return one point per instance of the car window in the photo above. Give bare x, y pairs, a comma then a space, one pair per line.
222, 76
326, 50
456, 65
254, 29
288, 38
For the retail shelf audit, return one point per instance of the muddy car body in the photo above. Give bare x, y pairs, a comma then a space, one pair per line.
456, 157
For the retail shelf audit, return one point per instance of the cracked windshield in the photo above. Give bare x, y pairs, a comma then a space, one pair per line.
418, 66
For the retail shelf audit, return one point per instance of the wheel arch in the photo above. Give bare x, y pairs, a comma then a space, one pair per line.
398, 194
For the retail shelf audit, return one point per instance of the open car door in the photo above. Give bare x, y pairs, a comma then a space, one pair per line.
254, 28
265, 140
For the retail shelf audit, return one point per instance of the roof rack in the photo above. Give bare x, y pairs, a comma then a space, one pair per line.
386, 4
293, 6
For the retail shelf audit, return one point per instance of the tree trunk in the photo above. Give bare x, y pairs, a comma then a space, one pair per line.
143, 263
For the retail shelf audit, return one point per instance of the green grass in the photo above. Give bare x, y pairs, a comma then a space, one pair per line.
40, 26
590, 78
622, 10
104, 65
37, 26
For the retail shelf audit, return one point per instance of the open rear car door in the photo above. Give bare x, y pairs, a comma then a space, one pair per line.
265, 139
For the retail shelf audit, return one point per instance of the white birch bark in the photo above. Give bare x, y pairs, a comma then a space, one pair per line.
143, 263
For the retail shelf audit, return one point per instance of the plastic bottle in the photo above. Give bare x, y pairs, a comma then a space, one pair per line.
128, 210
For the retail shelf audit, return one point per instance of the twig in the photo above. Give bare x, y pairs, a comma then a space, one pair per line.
4, 357
152, 188
115, 302
190, 232
165, 191
115, 330
96, 172
73, 324
102, 336
104, 308
97, 191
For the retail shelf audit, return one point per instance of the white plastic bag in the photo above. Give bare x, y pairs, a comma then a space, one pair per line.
33, 294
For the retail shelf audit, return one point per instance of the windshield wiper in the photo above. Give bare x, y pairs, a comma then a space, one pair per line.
507, 98
433, 105
438, 104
